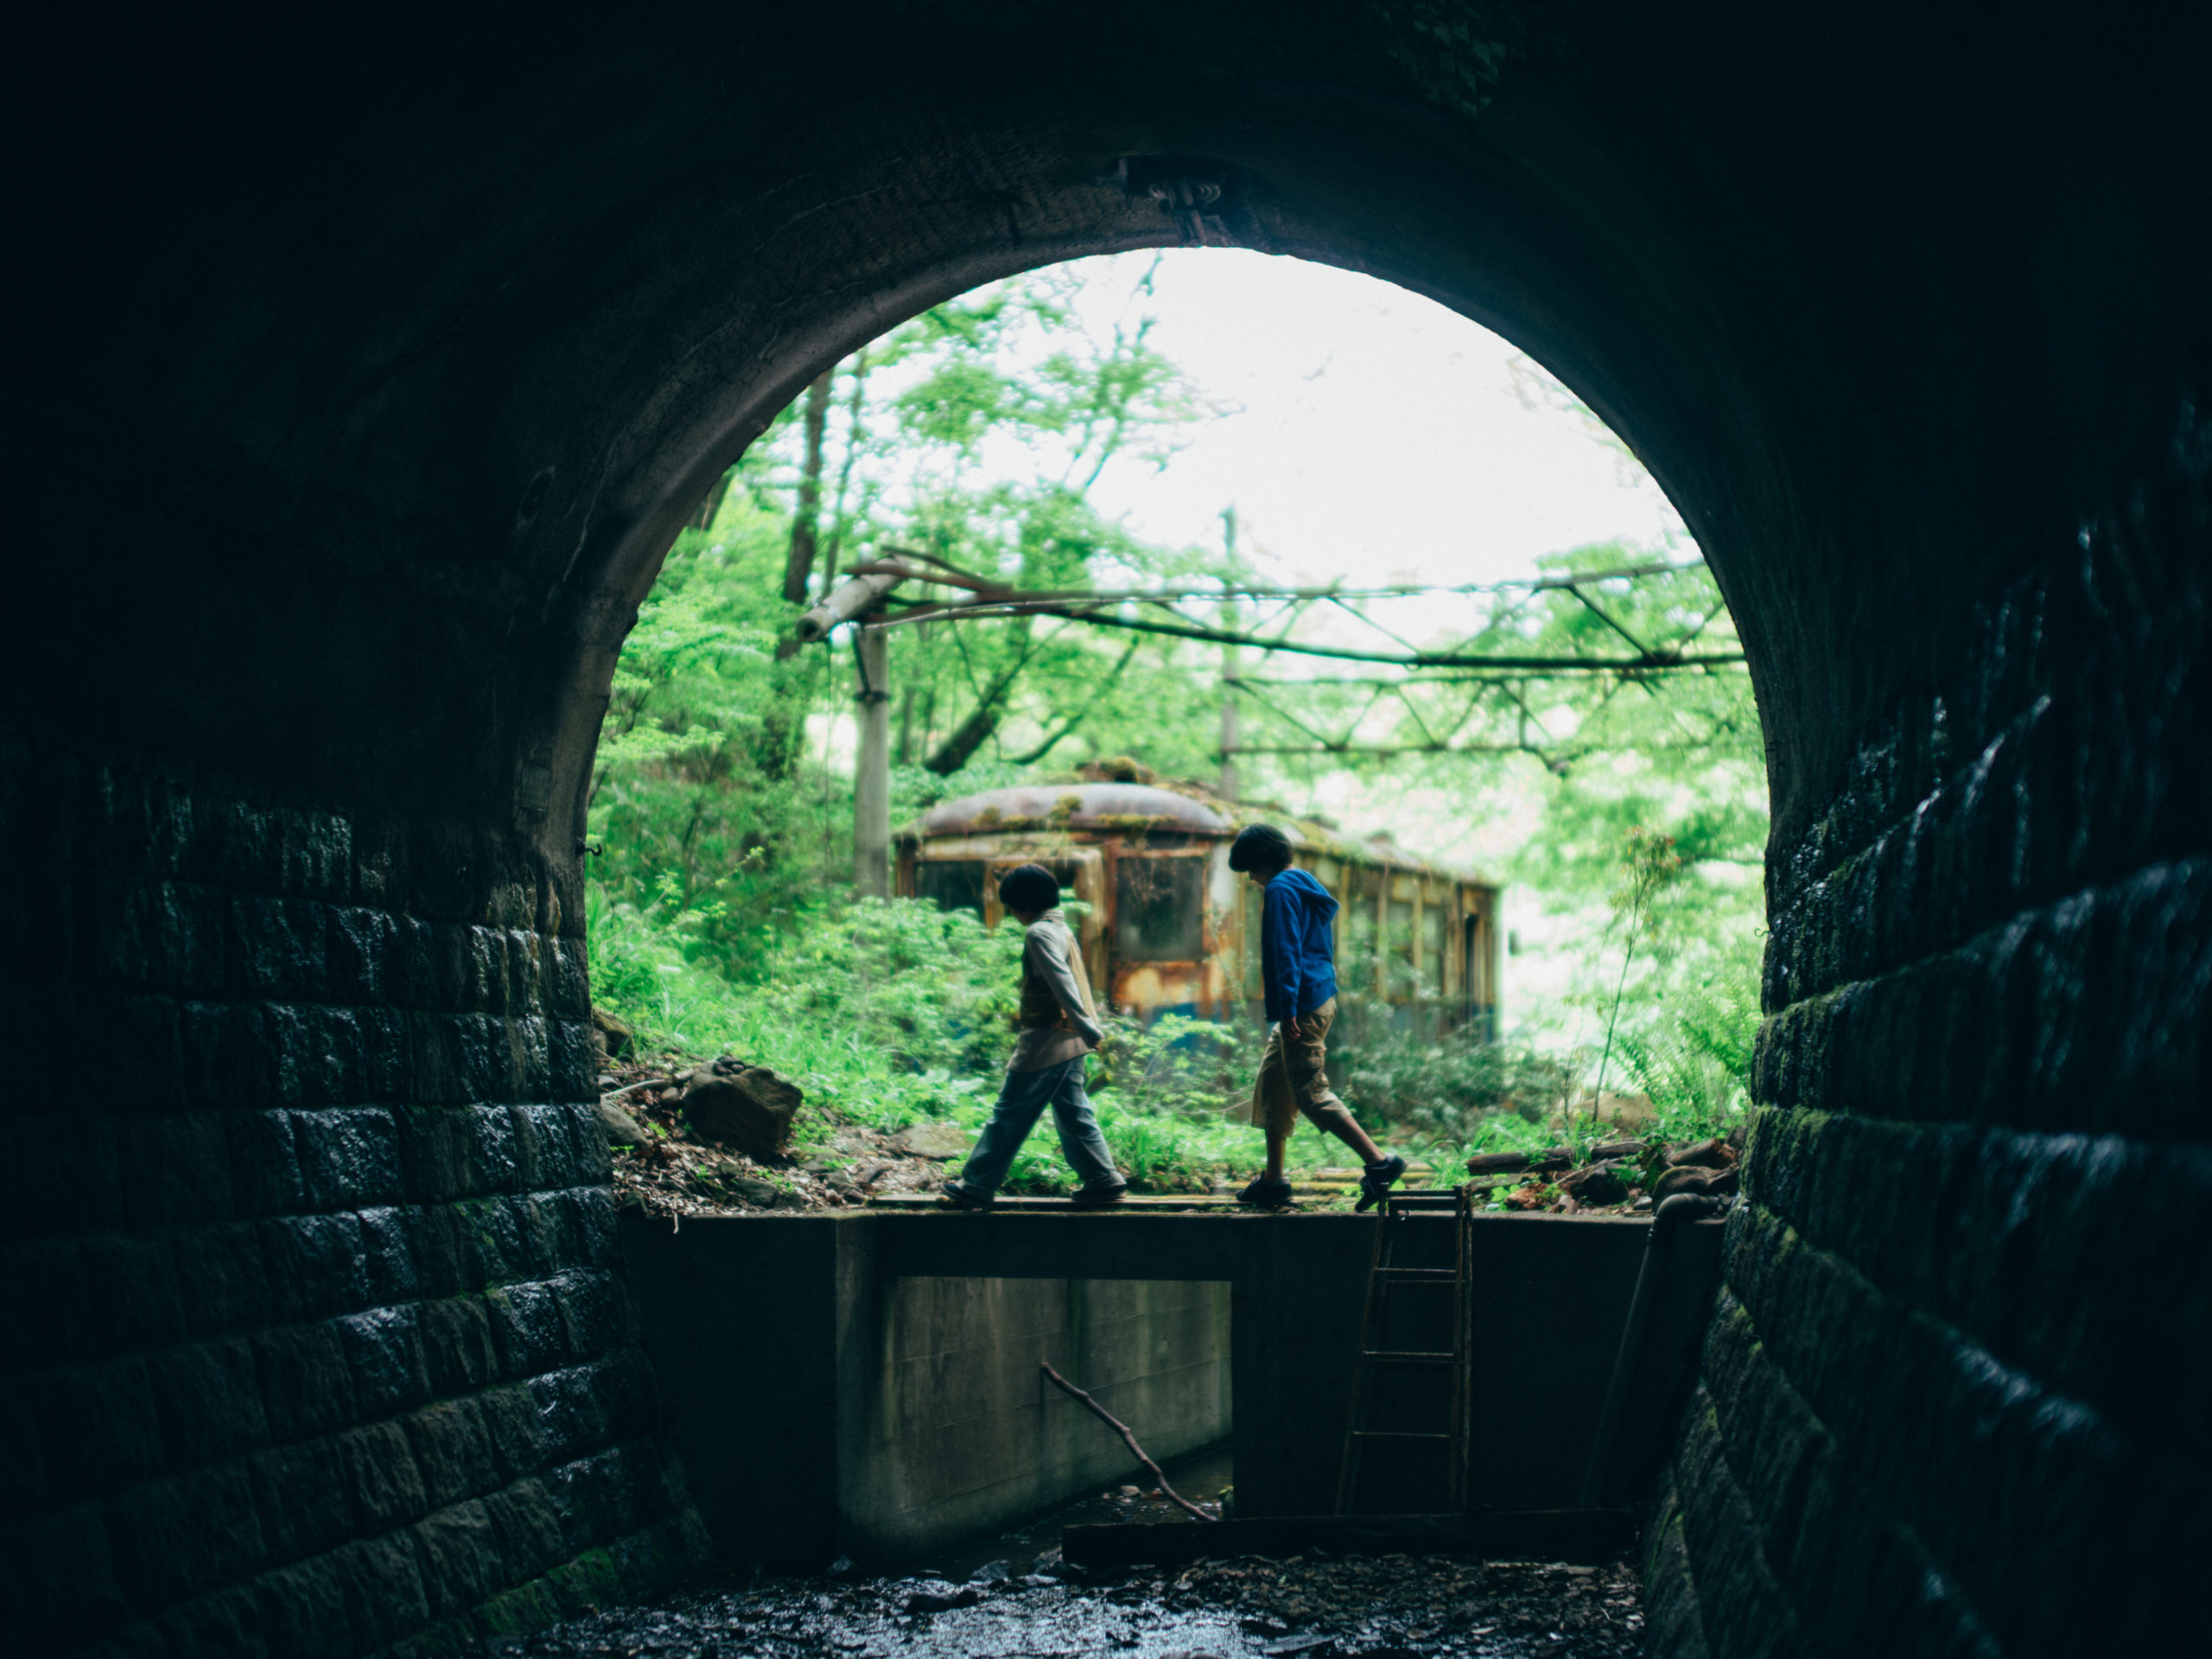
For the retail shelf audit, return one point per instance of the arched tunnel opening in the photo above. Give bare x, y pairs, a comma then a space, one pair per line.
413, 349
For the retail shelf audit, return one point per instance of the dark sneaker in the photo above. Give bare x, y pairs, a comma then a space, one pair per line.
1097, 1197
1266, 1194
1375, 1185
961, 1198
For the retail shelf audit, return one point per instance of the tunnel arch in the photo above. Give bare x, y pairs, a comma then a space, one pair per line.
422, 339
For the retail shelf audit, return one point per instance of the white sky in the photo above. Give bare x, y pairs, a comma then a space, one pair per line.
1374, 434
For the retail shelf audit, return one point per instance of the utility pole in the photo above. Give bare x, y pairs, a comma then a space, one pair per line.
1230, 665
859, 599
871, 778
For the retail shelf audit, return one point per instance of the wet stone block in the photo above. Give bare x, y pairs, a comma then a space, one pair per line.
175, 1167
527, 1530
380, 1478
132, 1299
316, 1264
229, 1060
300, 1494
383, 1348
265, 1174
98, 1429
303, 1609
349, 1157
451, 1441
209, 1398
457, 1345
172, 1538
274, 948
528, 1327
306, 1386
457, 1551
572, 1411
517, 1441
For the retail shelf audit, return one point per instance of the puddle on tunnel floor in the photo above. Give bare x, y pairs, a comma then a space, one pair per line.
1010, 1597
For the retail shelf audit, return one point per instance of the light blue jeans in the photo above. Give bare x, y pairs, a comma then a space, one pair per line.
1022, 1100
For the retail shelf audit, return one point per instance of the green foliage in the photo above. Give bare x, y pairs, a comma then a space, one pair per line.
893, 1013
1448, 1086
1696, 1063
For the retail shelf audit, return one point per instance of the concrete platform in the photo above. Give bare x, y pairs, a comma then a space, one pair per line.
785, 1345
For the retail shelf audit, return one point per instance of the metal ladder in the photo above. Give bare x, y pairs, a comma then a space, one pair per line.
1384, 1277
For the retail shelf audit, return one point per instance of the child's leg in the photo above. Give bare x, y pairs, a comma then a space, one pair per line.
1081, 1143
1021, 1097
1275, 1101
1307, 1061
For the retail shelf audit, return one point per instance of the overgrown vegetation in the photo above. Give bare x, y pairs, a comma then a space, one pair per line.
720, 913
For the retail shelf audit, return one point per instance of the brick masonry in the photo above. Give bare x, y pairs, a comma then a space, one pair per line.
317, 1341
1957, 1396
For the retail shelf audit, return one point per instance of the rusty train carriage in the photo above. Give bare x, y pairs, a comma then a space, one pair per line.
1170, 928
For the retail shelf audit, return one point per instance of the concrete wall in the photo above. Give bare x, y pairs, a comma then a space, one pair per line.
867, 1382
825, 1405
963, 1432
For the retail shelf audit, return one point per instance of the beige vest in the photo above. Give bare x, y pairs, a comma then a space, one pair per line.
1038, 1006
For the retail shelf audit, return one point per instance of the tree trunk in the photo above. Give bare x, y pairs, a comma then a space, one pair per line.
799, 568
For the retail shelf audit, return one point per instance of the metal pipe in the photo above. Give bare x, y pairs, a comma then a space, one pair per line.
1666, 1221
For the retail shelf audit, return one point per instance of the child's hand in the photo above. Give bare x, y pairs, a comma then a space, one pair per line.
1290, 1032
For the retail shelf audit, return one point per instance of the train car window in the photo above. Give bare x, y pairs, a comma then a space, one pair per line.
954, 883
1398, 951
1356, 949
1158, 909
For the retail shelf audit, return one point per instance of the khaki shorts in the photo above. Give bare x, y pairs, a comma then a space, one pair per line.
1293, 1081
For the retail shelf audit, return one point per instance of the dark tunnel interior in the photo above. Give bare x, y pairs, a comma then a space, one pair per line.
381, 360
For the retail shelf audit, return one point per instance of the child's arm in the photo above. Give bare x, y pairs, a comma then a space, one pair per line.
1281, 975
1050, 963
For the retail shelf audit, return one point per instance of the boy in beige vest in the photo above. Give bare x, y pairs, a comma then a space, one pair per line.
1059, 1027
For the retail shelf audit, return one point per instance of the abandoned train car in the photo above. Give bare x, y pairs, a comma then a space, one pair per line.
1170, 929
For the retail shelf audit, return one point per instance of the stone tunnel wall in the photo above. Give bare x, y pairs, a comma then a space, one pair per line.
316, 1339
1957, 1396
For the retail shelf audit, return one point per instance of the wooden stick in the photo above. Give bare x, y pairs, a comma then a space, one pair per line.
1122, 1429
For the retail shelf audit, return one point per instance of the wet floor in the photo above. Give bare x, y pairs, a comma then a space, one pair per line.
1011, 1597
1311, 1606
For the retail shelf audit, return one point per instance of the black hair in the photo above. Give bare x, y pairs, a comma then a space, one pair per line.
1031, 888
1259, 846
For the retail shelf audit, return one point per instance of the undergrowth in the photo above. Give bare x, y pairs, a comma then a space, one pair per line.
887, 1013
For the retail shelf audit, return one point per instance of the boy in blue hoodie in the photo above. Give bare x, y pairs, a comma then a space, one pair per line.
1298, 970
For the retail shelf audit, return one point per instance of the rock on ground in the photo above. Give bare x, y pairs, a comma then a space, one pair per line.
747, 1107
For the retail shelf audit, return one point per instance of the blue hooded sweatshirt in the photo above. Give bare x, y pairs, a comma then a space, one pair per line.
1297, 947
